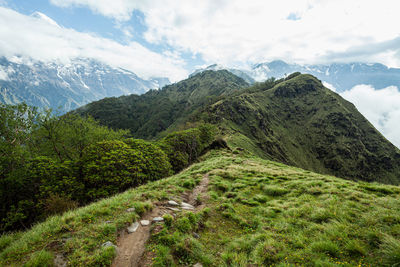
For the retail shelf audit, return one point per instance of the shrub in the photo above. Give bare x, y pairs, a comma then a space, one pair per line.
184, 147
110, 167
157, 162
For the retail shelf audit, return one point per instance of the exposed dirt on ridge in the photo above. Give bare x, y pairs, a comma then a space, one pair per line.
131, 247
199, 191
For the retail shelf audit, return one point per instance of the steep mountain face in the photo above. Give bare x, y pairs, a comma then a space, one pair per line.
157, 110
302, 123
65, 87
341, 76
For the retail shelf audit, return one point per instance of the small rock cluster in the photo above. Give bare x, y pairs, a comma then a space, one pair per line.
172, 205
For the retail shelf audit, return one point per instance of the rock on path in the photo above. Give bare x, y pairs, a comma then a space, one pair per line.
158, 219
144, 222
134, 226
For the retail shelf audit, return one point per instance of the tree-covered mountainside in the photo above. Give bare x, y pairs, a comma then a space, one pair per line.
149, 114
295, 120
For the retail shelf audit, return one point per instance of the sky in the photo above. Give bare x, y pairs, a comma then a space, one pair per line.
171, 38
175, 37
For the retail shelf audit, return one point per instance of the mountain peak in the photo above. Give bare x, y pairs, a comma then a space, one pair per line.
44, 18
297, 85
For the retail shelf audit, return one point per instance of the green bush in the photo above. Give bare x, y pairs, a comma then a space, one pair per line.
184, 147
157, 162
110, 167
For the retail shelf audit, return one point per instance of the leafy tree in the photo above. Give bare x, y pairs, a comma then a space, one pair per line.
66, 137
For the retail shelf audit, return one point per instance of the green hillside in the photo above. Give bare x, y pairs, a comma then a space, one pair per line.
149, 114
301, 123
296, 121
252, 212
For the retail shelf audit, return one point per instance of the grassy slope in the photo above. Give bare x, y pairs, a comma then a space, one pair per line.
301, 123
259, 212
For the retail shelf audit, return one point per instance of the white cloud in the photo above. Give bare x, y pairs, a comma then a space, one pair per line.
40, 38
329, 86
237, 31
381, 107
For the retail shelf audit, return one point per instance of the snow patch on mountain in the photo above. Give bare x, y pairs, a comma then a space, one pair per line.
67, 86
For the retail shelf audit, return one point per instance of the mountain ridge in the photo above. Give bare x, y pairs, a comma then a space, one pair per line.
268, 119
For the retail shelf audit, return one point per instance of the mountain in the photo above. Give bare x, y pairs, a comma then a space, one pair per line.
155, 111
295, 120
245, 75
301, 123
64, 87
341, 76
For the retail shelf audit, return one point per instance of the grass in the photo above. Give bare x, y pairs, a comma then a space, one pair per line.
259, 212
267, 214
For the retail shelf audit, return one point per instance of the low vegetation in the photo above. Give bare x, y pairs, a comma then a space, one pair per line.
265, 213
258, 212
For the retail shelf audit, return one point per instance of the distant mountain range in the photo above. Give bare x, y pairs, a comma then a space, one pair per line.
64, 87
341, 77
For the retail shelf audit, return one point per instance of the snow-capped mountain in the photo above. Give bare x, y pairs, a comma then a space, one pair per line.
342, 77
245, 75
64, 87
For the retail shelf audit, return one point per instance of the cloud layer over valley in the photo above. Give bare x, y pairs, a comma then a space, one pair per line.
380, 107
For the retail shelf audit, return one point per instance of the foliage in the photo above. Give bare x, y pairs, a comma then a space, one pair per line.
54, 164
184, 147
66, 137
113, 166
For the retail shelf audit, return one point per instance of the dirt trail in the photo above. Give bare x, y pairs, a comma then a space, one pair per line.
199, 190
131, 247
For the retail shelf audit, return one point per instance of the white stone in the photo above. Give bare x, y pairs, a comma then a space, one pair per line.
187, 206
144, 222
134, 226
130, 210
158, 219
172, 203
